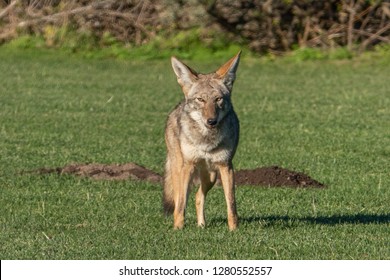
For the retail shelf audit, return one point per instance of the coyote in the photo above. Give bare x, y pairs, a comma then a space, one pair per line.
201, 136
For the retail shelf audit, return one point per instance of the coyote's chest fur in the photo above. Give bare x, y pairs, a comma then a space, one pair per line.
198, 142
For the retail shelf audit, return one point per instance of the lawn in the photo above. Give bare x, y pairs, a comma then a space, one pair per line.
329, 119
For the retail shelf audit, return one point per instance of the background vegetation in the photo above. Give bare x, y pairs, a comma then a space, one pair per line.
135, 28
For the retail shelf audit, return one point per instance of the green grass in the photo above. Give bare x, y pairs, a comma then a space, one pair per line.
328, 119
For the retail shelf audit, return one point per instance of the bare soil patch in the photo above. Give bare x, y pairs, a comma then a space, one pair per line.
273, 176
101, 171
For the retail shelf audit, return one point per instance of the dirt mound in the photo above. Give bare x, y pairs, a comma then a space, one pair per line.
100, 171
273, 176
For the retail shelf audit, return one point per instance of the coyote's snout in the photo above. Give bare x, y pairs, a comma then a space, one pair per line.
201, 137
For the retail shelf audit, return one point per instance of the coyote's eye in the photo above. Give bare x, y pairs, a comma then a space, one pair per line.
218, 99
201, 100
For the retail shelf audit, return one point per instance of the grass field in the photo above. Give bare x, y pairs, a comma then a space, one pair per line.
330, 120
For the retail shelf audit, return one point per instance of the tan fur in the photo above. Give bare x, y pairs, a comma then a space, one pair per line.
201, 136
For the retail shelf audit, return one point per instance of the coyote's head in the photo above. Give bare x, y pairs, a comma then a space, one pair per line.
207, 95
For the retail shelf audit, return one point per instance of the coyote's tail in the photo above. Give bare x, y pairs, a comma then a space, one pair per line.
168, 199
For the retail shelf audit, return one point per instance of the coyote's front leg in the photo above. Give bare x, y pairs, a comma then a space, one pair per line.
181, 195
207, 181
227, 177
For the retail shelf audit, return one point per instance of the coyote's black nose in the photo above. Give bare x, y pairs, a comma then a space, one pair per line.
212, 122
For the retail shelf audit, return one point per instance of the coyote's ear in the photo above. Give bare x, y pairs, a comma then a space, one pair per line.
227, 72
185, 75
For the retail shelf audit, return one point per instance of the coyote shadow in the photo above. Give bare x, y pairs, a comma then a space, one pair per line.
290, 221
322, 220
